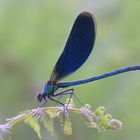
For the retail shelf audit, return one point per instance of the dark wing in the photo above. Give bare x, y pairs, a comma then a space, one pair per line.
78, 47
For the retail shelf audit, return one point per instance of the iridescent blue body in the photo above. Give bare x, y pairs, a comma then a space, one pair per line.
76, 51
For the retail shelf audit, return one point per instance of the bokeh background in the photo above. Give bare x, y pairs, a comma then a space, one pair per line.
32, 36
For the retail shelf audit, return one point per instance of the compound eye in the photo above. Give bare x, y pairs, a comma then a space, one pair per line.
39, 97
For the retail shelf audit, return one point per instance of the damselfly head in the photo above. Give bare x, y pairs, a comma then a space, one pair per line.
39, 97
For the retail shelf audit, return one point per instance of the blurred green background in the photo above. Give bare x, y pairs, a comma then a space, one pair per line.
32, 36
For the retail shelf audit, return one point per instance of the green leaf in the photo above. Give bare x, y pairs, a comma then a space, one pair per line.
33, 122
66, 124
47, 120
17, 119
65, 121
